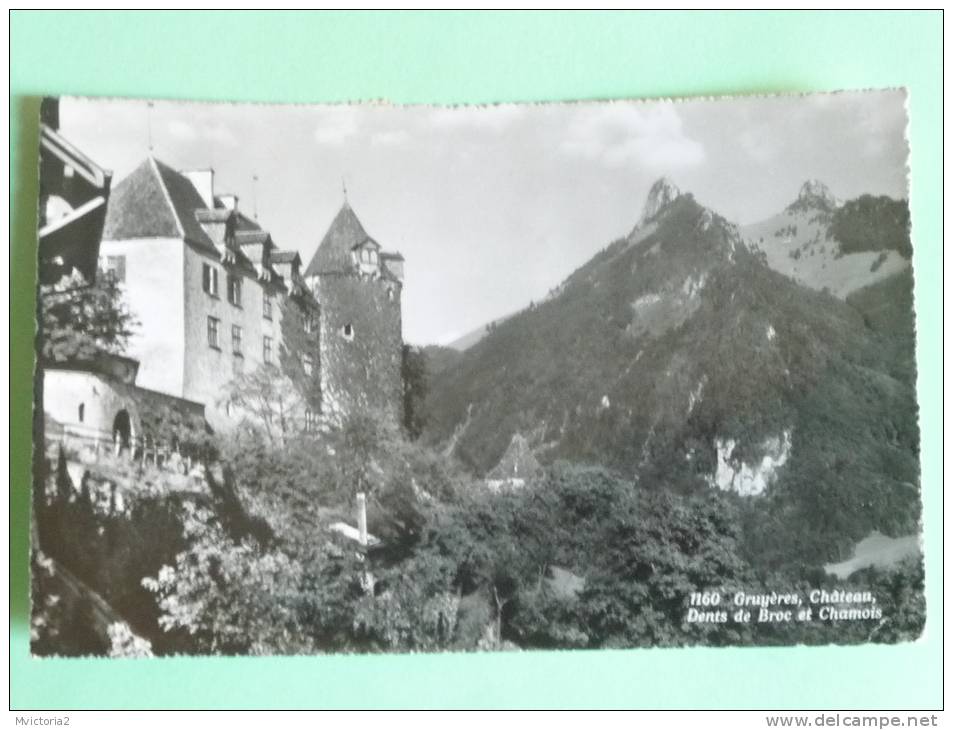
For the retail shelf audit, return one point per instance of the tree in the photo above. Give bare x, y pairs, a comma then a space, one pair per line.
414, 607
414, 377
873, 223
635, 557
82, 320
284, 486
270, 404
359, 447
231, 597
659, 549
492, 545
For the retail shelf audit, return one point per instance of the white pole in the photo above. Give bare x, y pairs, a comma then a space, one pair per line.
362, 517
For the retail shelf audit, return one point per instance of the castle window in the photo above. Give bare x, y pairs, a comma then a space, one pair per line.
82, 412
266, 350
210, 279
213, 333
368, 256
266, 307
236, 339
310, 420
116, 267
390, 293
309, 323
235, 290
308, 363
348, 331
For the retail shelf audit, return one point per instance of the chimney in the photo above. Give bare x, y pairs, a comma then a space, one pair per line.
362, 517
203, 182
50, 112
229, 201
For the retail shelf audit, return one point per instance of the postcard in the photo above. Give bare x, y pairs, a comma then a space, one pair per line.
371, 378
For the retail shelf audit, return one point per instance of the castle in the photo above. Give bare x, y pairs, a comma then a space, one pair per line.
210, 290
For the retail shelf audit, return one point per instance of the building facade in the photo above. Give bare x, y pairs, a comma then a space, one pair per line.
210, 289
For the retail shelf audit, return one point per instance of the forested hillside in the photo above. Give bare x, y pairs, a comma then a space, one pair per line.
678, 358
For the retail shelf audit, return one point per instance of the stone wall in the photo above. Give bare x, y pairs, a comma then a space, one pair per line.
84, 406
361, 344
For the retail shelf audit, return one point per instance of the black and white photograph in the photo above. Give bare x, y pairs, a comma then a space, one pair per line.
371, 378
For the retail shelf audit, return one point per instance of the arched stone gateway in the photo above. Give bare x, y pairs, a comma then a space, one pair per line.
122, 431
115, 415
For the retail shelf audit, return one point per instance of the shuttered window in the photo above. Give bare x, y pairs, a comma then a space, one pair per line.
116, 267
235, 290
210, 279
213, 332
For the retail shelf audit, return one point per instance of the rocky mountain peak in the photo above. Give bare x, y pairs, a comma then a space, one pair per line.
662, 194
814, 195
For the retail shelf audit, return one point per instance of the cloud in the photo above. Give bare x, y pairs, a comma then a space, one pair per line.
221, 134
217, 133
882, 122
493, 118
617, 135
182, 130
337, 124
89, 113
759, 144
392, 138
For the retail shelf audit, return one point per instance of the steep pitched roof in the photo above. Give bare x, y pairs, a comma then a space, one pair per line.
185, 200
286, 264
244, 223
334, 251
213, 215
155, 201
139, 208
248, 237
518, 462
279, 256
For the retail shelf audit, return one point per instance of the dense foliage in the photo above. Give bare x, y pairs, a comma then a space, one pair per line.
873, 223
414, 378
579, 559
299, 357
109, 539
81, 320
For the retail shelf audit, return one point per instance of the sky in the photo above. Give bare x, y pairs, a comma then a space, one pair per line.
493, 206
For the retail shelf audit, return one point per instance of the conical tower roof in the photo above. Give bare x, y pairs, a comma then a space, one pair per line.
334, 252
518, 462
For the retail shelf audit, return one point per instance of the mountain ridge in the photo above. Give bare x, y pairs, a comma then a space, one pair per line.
677, 356
801, 242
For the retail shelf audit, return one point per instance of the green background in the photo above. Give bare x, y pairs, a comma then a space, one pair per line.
470, 58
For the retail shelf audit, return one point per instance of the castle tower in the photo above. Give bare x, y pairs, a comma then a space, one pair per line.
359, 287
